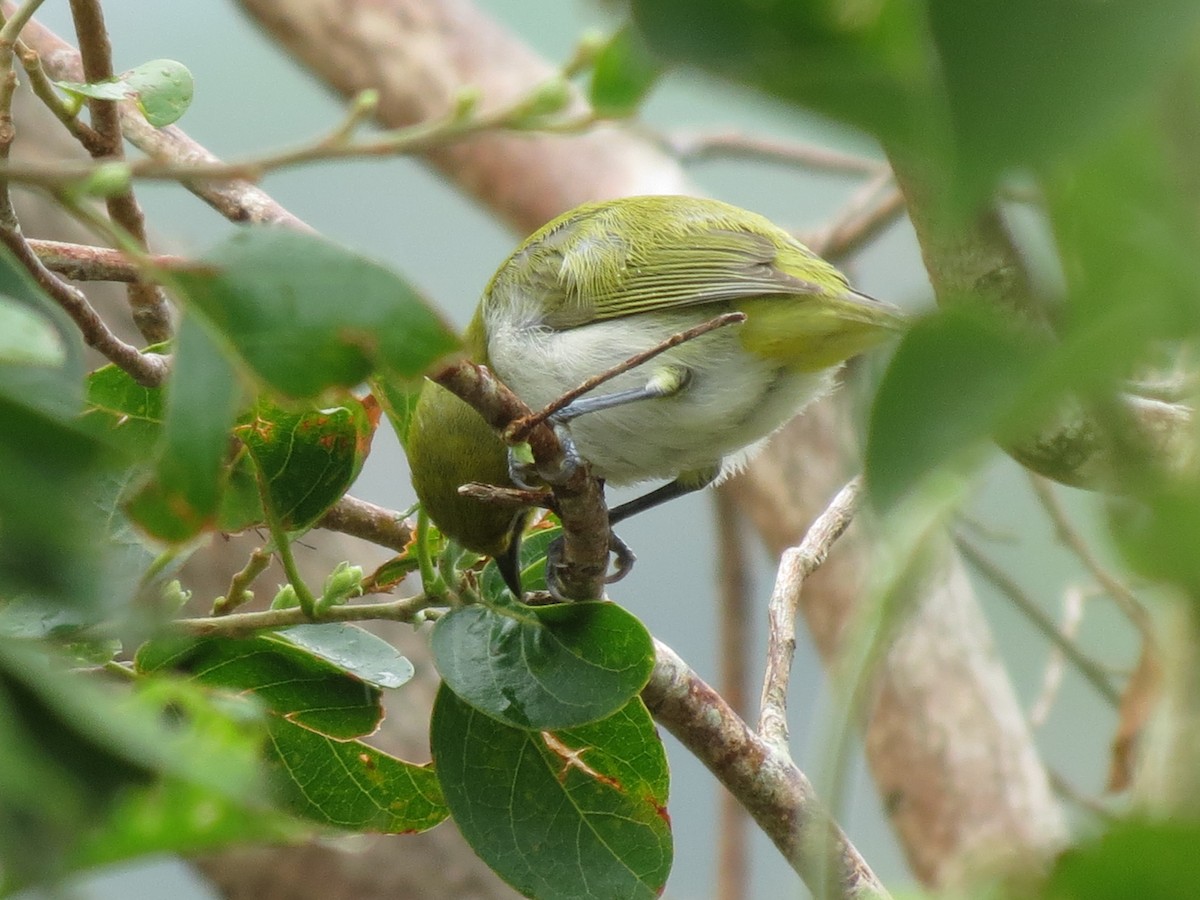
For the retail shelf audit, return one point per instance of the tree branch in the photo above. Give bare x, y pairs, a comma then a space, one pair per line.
764, 779
796, 564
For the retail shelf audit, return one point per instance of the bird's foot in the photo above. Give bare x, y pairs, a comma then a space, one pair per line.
622, 563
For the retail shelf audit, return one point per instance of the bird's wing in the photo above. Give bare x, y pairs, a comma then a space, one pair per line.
706, 266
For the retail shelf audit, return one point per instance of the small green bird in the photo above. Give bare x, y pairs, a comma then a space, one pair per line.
606, 281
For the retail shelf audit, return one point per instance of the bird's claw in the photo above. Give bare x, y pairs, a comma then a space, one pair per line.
623, 563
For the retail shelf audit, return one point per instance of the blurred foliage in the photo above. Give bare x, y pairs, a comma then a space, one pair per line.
1087, 114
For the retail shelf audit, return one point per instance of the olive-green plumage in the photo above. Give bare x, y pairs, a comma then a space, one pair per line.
607, 280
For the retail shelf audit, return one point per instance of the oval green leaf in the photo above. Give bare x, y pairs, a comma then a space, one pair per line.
308, 457
623, 74
162, 89
580, 813
955, 379
545, 667
349, 784
202, 399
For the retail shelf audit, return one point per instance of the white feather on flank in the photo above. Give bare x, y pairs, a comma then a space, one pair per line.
728, 409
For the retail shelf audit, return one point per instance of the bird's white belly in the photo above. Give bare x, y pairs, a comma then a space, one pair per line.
731, 403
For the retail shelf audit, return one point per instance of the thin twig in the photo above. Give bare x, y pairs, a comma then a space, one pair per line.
734, 590
762, 776
331, 146
238, 592
84, 262
1068, 791
147, 301
1074, 541
519, 430
364, 520
1088, 668
1053, 676
696, 146
847, 235
491, 493
45, 91
796, 564
406, 609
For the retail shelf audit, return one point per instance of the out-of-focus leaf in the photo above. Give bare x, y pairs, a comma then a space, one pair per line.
49, 532
574, 813
307, 315
870, 65
544, 667
1159, 530
1021, 77
202, 400
956, 379
28, 337
70, 749
623, 73
1129, 238
1131, 859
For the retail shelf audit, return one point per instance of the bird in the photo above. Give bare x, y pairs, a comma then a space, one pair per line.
608, 280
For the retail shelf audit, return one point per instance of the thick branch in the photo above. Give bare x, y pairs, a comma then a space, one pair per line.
766, 781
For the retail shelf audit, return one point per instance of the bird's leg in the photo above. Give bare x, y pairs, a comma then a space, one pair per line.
684, 484
665, 382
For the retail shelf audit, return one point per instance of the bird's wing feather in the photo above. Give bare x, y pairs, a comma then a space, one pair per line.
707, 266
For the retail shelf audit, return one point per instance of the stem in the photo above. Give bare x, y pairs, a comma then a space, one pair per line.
403, 610
1088, 668
149, 305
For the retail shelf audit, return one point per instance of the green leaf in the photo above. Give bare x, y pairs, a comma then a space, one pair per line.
1130, 245
70, 748
161, 88
871, 66
544, 667
1131, 859
52, 387
308, 457
202, 399
123, 412
353, 649
352, 785
1158, 532
50, 533
27, 337
1021, 77
956, 379
307, 315
398, 398
302, 685
623, 74
579, 813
